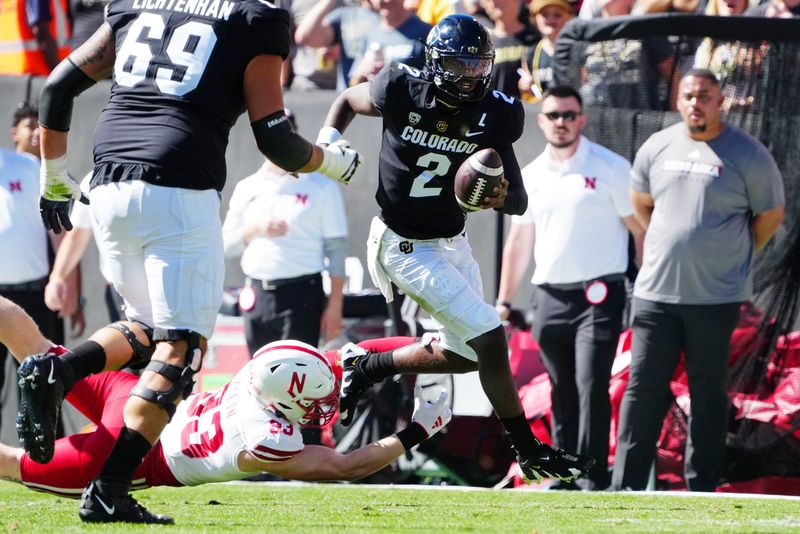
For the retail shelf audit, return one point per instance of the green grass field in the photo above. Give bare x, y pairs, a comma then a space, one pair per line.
351, 508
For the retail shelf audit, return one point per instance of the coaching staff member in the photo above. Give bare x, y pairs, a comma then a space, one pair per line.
580, 213
710, 197
284, 227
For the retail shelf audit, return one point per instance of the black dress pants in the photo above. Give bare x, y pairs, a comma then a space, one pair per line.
292, 310
578, 341
660, 333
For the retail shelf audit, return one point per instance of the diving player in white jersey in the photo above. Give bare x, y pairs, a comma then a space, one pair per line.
248, 426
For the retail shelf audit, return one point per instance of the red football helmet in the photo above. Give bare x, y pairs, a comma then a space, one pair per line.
296, 381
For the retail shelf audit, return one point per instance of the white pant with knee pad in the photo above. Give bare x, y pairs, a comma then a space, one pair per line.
164, 249
443, 278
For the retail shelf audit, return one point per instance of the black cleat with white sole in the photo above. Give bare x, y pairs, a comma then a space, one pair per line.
354, 382
105, 503
553, 463
43, 385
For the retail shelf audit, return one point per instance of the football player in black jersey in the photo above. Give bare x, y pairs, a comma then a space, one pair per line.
433, 119
183, 72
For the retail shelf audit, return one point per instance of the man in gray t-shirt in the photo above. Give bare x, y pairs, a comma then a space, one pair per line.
710, 197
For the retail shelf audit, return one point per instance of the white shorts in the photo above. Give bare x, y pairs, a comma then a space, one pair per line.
444, 279
164, 250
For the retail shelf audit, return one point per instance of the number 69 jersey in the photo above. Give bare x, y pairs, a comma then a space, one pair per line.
203, 441
177, 85
423, 148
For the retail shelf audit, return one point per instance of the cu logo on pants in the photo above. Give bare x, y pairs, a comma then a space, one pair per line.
406, 247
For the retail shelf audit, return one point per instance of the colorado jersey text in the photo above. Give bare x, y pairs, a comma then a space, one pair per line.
423, 148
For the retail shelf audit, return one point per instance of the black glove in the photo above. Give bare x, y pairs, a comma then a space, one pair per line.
55, 213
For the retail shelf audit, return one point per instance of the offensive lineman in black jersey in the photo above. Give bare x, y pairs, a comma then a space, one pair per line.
433, 119
183, 72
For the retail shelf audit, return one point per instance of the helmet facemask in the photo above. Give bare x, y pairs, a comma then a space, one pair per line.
295, 381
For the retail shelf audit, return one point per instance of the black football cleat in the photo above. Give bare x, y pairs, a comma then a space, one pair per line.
548, 462
98, 506
354, 382
43, 386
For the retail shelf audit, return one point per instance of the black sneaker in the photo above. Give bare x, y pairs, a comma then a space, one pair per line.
553, 463
43, 383
98, 506
354, 382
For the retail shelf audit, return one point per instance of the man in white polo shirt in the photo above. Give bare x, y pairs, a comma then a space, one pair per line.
580, 214
284, 227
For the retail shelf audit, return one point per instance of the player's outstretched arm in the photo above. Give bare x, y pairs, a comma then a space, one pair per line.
274, 135
322, 463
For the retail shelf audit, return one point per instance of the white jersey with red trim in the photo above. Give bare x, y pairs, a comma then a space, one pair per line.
203, 441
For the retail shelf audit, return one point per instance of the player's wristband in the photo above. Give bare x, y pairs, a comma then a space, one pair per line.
412, 435
328, 135
503, 303
56, 167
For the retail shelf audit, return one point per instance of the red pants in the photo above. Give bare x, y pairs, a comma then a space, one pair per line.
80, 457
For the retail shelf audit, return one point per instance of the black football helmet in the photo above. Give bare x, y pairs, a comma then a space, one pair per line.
460, 56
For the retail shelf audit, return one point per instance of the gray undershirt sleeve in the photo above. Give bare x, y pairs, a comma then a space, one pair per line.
335, 249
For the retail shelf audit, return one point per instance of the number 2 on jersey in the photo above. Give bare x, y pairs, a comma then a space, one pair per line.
189, 49
434, 165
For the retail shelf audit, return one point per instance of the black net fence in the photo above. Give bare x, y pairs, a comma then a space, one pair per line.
627, 70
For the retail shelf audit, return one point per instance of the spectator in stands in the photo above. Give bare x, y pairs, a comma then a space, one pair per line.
23, 239
733, 62
778, 9
709, 196
510, 38
474, 8
86, 17
580, 214
310, 68
400, 36
34, 36
628, 73
726, 8
592, 9
344, 27
644, 7
432, 11
284, 227
537, 66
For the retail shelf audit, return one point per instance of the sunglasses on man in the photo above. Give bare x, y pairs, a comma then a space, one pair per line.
568, 116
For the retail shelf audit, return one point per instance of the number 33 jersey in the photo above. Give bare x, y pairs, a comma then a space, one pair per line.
203, 441
177, 85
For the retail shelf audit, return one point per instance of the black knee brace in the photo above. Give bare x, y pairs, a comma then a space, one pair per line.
182, 378
141, 353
